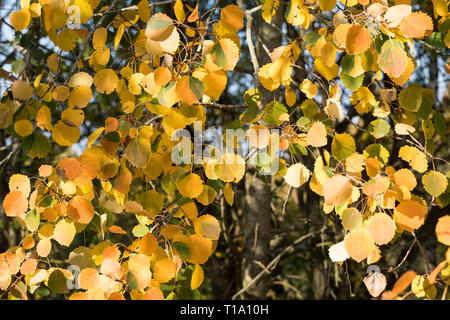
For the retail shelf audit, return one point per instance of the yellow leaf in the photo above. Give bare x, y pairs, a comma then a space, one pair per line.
64, 232
190, 185
106, 81
230, 167
228, 193
197, 277
179, 11
20, 19
65, 135
164, 270
23, 128
359, 244
297, 175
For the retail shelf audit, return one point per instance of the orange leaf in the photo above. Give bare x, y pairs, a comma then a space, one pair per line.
15, 204
359, 244
410, 215
358, 40
443, 230
381, 228
416, 25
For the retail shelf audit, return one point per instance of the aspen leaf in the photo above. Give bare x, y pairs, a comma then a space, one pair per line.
410, 215
197, 277
269, 9
159, 27
297, 175
80, 210
116, 230
189, 89
443, 230
99, 38
138, 152
351, 218
21, 90
179, 11
80, 79
29, 266
395, 14
15, 204
393, 61
381, 228
230, 167
379, 128
106, 81
65, 135
359, 244
207, 226
88, 278
190, 185
20, 183
23, 128
403, 282
228, 194
338, 253
327, 5
405, 178
232, 16
164, 270
376, 186
44, 247
375, 283
317, 135
112, 269
20, 19
357, 40
416, 25
343, 146
410, 98
207, 196
80, 96
64, 232
194, 15
337, 190
308, 88
416, 159
435, 183
199, 249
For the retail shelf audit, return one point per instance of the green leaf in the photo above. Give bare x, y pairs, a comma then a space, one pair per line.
351, 82
57, 282
253, 98
309, 108
272, 113
32, 220
343, 146
410, 98
140, 230
182, 249
379, 128
376, 150
439, 123
132, 281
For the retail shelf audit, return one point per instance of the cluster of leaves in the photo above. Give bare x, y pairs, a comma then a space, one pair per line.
176, 68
